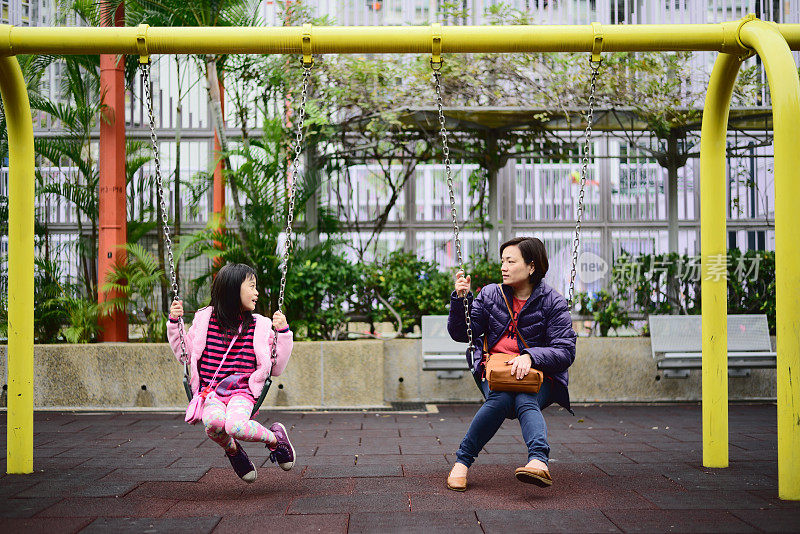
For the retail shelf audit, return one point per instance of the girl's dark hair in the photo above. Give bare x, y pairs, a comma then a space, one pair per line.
226, 300
533, 251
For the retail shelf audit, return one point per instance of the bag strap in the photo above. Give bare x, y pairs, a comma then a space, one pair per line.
513, 321
224, 356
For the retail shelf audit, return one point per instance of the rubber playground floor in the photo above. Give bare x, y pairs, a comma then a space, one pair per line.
616, 468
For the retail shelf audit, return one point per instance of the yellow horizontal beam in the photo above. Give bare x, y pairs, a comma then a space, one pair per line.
379, 39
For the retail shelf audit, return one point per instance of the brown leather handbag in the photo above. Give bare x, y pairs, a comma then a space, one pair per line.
498, 372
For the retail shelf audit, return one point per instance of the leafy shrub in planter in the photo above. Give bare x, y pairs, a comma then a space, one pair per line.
644, 282
411, 286
319, 289
608, 313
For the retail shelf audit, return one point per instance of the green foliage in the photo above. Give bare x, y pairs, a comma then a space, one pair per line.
169, 12
644, 283
748, 292
413, 287
60, 312
750, 83
608, 313
318, 288
76, 109
84, 317
135, 281
50, 299
504, 13
138, 229
260, 179
647, 280
483, 272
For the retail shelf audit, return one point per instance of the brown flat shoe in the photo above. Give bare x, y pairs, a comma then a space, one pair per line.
456, 483
534, 475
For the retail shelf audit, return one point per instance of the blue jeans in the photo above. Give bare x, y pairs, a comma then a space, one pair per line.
500, 405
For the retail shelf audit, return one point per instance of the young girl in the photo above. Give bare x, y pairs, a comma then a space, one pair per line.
229, 330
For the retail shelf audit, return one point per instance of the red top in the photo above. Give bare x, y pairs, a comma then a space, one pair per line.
508, 343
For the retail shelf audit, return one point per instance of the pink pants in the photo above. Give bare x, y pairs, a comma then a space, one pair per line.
225, 423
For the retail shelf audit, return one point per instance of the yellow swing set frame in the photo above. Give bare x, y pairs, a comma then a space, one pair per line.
735, 41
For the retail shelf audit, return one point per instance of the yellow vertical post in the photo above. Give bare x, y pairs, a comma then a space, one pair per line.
713, 283
19, 451
785, 93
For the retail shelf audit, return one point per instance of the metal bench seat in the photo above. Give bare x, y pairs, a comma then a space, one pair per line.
676, 342
439, 352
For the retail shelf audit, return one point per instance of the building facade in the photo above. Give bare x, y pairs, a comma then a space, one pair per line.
627, 190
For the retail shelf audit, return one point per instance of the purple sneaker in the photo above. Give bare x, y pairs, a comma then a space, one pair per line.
282, 452
242, 464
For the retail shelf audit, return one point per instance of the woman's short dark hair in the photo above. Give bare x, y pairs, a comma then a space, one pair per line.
226, 300
533, 251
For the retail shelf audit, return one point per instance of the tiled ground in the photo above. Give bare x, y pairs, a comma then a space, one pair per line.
616, 468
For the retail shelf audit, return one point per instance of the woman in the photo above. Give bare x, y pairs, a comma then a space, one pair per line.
543, 320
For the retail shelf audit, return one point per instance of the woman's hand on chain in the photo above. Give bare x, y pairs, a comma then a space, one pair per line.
462, 284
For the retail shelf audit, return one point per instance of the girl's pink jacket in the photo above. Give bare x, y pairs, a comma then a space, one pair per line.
262, 344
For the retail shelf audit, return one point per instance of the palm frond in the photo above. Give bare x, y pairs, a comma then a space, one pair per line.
61, 111
138, 155
34, 67
242, 13
84, 321
71, 149
84, 197
138, 229
144, 259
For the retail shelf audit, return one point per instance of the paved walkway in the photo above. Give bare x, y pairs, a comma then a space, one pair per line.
616, 468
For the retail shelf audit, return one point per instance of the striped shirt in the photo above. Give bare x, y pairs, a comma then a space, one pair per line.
241, 359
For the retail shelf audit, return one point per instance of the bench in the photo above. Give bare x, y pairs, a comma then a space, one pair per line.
439, 352
676, 343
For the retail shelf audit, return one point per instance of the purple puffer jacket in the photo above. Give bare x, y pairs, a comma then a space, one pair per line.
544, 322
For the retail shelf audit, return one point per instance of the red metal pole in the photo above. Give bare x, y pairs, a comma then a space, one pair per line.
219, 180
113, 213
219, 214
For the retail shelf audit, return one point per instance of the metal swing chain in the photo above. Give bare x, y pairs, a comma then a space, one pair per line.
184, 358
298, 148
450, 187
595, 67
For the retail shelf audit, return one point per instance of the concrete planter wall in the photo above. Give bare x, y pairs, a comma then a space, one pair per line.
364, 373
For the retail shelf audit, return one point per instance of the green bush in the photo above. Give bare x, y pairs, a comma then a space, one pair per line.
644, 281
84, 318
647, 278
483, 272
608, 313
748, 295
60, 312
135, 282
411, 286
50, 299
319, 288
